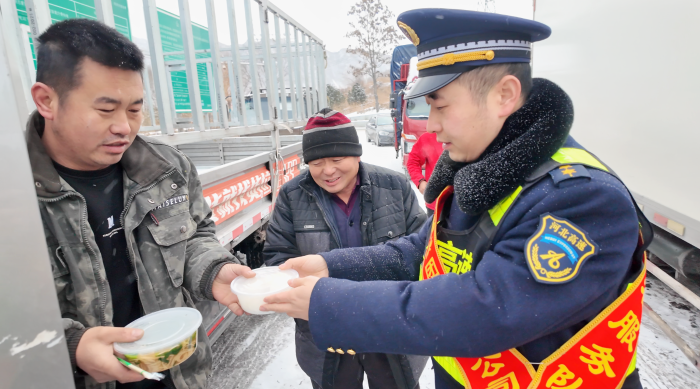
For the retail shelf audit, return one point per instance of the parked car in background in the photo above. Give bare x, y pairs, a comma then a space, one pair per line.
380, 130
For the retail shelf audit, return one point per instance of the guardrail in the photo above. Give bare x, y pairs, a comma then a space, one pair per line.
359, 124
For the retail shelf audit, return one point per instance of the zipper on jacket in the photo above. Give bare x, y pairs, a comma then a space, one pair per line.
93, 258
366, 232
126, 209
84, 222
336, 235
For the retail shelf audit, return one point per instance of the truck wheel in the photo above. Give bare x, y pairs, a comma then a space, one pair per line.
252, 247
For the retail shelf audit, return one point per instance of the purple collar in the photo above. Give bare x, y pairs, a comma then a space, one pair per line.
347, 208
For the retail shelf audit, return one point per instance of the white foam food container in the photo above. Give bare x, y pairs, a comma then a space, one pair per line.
267, 281
169, 338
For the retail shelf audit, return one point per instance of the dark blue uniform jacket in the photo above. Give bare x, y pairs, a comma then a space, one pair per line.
495, 307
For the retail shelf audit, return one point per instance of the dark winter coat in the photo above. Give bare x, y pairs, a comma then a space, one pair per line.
175, 261
498, 305
303, 223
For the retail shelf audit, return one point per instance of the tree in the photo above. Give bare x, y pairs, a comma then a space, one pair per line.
357, 95
375, 38
335, 97
486, 5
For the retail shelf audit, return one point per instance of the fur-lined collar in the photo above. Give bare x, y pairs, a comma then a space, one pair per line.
529, 137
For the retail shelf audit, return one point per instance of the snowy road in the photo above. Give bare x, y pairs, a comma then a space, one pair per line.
257, 352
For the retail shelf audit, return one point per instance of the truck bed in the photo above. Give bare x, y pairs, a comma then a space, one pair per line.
236, 176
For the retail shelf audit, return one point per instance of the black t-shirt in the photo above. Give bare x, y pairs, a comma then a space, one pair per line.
104, 193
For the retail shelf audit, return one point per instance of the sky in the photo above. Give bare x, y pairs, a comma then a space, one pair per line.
327, 19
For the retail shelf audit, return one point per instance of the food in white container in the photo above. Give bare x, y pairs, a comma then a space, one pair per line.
267, 281
169, 338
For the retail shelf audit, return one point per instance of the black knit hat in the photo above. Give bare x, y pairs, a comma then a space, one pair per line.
329, 134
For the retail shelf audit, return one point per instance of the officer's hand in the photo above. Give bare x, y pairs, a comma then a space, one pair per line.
295, 302
95, 353
423, 185
308, 265
222, 286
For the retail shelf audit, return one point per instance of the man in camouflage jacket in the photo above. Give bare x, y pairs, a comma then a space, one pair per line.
174, 256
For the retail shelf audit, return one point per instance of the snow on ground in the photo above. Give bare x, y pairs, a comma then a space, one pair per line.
661, 363
258, 352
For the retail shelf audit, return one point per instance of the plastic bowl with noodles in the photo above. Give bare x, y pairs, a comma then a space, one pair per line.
169, 338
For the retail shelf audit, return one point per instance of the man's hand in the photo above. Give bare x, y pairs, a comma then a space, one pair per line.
295, 302
422, 186
308, 265
95, 354
222, 286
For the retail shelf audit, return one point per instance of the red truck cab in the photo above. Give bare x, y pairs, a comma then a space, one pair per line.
410, 116
415, 120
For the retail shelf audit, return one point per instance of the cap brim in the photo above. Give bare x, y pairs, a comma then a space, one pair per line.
429, 84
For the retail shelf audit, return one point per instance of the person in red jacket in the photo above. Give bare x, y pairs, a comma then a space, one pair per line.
426, 151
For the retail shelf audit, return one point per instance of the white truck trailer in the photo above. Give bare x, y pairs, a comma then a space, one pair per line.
631, 69
632, 72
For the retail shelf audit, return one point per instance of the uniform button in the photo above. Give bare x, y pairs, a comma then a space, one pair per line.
340, 351
174, 186
151, 201
38, 184
364, 223
331, 350
351, 352
391, 234
183, 229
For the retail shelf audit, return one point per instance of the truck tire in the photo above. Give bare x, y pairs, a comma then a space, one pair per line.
252, 247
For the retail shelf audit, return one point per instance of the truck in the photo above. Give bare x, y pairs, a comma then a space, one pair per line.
633, 112
637, 112
410, 116
243, 145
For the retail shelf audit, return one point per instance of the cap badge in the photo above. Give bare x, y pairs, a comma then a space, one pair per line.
410, 34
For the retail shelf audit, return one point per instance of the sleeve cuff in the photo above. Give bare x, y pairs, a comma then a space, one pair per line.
73, 336
209, 276
332, 262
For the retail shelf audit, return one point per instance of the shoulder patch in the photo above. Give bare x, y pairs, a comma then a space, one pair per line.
567, 172
557, 250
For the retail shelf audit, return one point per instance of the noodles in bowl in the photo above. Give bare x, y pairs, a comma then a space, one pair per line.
169, 338
164, 360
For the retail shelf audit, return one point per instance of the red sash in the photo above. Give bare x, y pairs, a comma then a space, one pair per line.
599, 356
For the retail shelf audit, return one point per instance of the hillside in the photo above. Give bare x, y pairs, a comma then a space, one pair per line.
338, 69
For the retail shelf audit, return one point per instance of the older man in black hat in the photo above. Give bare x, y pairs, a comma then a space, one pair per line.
531, 274
341, 202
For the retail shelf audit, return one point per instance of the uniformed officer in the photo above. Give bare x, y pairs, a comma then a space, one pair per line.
531, 273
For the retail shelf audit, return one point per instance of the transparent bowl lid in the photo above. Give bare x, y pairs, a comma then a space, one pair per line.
161, 330
268, 280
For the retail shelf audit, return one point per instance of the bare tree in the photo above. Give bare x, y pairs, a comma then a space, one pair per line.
487, 5
375, 37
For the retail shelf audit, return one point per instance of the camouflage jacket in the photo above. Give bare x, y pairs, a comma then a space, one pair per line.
175, 261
